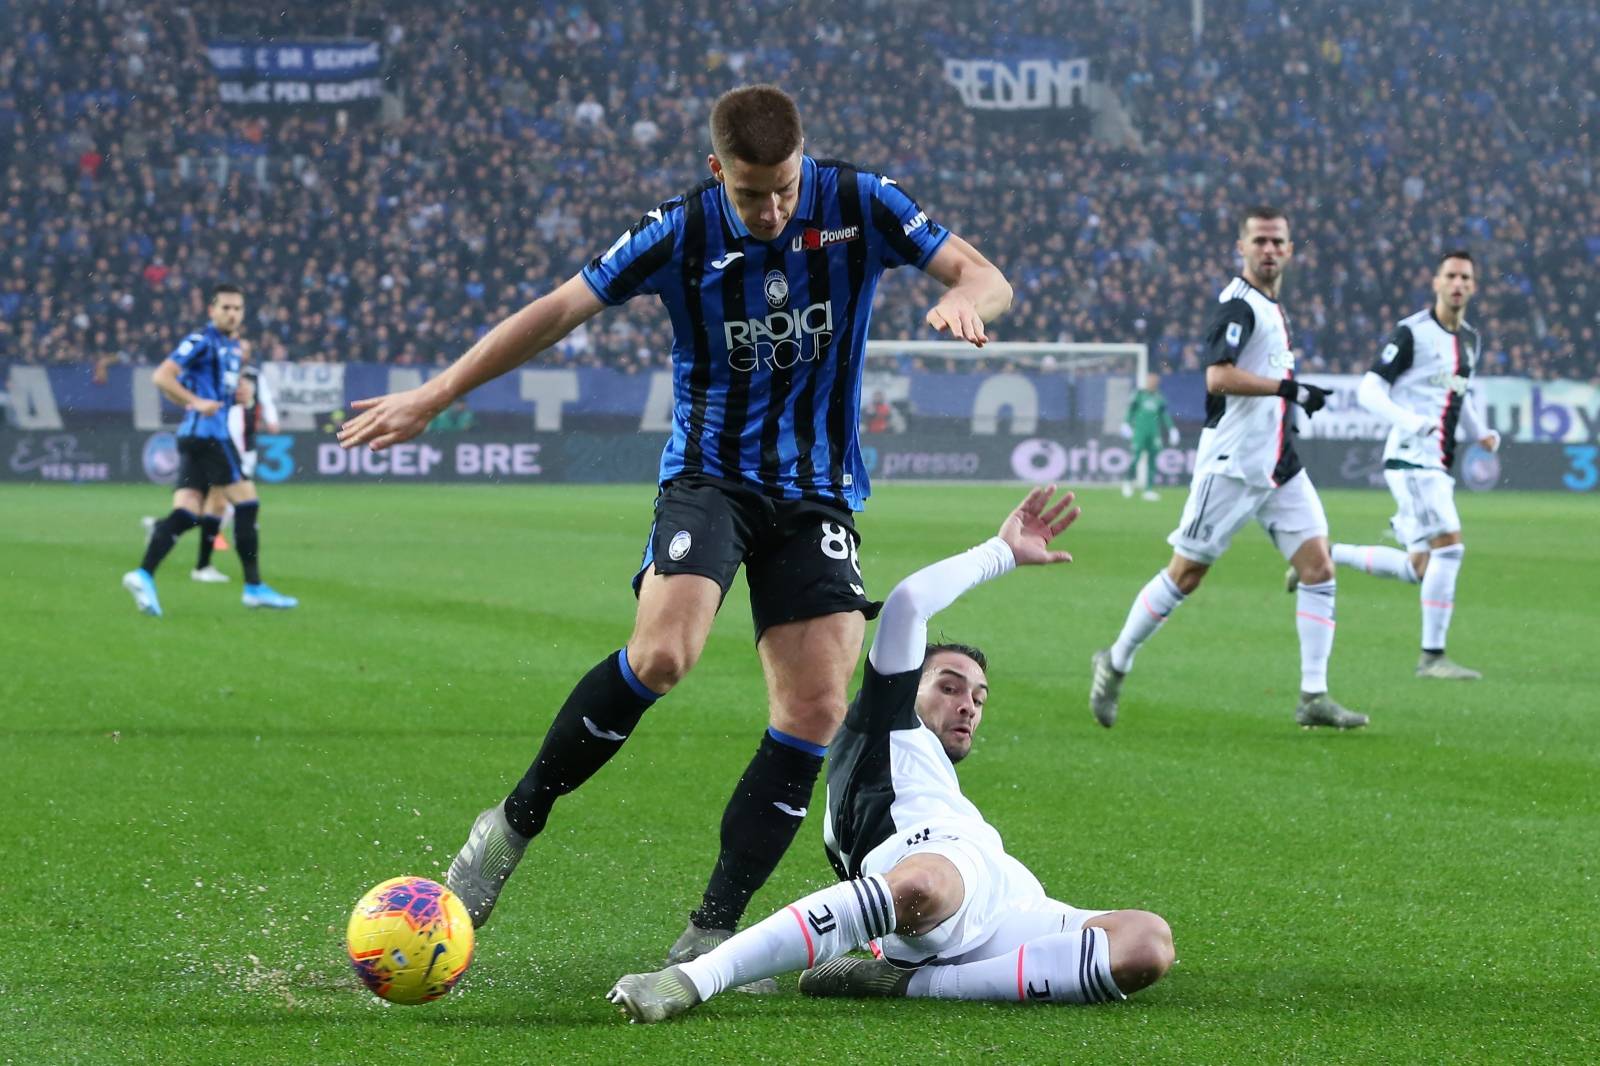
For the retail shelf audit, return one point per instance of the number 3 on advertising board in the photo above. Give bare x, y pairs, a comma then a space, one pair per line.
277, 457
1582, 474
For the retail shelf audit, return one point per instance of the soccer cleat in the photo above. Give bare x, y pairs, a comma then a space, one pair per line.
1445, 669
1127, 490
696, 941
210, 575
1105, 688
143, 588
655, 997
1150, 495
1319, 709
266, 596
855, 978
480, 869
1291, 580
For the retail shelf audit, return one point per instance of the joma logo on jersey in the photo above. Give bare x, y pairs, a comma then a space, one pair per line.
812, 239
1283, 360
780, 340
1454, 382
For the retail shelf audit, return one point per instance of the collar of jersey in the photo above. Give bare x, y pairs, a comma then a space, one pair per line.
805, 208
1433, 313
1252, 288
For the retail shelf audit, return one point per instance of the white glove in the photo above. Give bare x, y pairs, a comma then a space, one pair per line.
1172, 436
1126, 431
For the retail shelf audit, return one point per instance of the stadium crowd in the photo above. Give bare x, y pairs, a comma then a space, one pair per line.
523, 138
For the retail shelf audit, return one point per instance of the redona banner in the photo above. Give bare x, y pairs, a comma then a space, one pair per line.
307, 73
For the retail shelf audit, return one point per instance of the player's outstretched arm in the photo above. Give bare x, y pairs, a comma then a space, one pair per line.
399, 416
976, 292
1226, 379
1023, 540
1373, 394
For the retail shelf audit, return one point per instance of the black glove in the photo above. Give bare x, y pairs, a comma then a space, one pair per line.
1312, 398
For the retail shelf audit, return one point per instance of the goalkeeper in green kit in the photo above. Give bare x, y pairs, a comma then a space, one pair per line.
1147, 416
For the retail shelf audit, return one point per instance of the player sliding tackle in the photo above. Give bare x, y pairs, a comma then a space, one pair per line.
957, 917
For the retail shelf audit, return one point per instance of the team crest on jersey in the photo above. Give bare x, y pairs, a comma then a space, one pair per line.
680, 545
812, 239
776, 286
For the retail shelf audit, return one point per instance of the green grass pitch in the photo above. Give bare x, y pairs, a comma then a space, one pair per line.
192, 805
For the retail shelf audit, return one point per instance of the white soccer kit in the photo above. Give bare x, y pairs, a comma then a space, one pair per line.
1246, 466
1424, 373
893, 792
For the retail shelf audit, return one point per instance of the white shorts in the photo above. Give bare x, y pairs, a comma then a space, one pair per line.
1219, 506
247, 464
1002, 906
1426, 501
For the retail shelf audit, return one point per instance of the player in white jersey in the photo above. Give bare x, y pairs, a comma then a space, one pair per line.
922, 873
1246, 468
1421, 385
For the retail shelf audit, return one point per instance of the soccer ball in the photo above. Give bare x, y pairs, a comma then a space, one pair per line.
410, 939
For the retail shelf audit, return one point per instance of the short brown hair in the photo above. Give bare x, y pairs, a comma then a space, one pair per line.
1458, 253
756, 124
1264, 212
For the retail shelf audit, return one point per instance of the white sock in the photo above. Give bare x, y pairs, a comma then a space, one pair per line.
808, 932
1059, 968
1313, 617
1376, 560
1439, 594
1159, 598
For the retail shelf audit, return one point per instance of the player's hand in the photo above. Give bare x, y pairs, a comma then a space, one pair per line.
1311, 397
957, 314
386, 420
1029, 529
1126, 431
1490, 441
1172, 436
205, 408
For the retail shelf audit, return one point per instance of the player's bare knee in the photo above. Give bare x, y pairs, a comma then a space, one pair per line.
1419, 563
1141, 950
812, 718
661, 664
1186, 573
1315, 571
927, 889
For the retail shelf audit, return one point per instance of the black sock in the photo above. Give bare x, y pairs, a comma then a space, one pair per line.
246, 541
602, 711
210, 526
166, 534
762, 817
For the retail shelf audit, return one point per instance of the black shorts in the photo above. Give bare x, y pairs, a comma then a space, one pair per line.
204, 462
800, 558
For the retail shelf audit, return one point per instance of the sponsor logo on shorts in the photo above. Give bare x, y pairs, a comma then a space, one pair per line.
681, 541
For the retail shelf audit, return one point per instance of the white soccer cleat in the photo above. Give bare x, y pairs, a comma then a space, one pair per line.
1150, 495
1105, 688
1127, 490
480, 869
143, 589
655, 997
210, 575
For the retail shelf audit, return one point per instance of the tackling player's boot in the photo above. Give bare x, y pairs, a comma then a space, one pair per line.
210, 575
143, 588
696, 941
1432, 665
655, 997
1318, 708
480, 869
267, 596
1105, 688
1291, 580
855, 978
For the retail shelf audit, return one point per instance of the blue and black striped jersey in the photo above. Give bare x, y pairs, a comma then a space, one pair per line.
769, 337
208, 364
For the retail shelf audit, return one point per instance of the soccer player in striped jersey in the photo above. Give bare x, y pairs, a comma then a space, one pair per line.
201, 375
767, 271
1422, 386
922, 874
1245, 468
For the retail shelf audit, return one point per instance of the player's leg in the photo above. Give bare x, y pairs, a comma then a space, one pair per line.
195, 474
216, 504
1217, 506
698, 537
1445, 553
809, 604
1294, 519
918, 894
1147, 450
247, 539
1377, 559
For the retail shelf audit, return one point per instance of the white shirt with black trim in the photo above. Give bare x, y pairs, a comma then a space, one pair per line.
1249, 437
1428, 370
